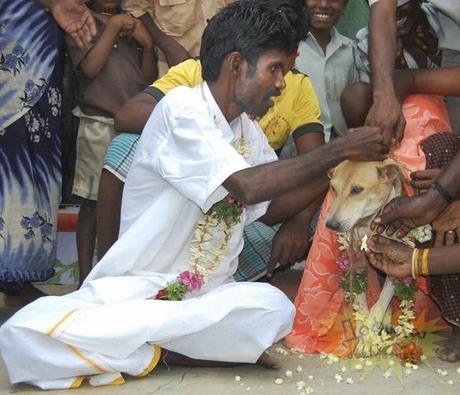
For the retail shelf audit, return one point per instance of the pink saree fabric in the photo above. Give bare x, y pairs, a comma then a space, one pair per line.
323, 322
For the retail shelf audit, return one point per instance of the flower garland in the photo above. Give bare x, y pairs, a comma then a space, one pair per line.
217, 224
222, 217
205, 258
373, 328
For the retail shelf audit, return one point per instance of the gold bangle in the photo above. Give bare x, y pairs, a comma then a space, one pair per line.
425, 270
417, 264
415, 253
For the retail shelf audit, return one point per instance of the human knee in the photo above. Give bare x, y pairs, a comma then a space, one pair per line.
283, 308
7, 336
356, 101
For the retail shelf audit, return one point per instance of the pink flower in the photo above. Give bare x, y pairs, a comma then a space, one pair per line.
343, 262
407, 280
161, 295
193, 281
230, 199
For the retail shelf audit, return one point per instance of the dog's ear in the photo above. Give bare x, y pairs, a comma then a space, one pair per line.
330, 173
389, 171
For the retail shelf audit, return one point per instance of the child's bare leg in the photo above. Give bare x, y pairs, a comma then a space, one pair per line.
451, 351
86, 237
173, 358
108, 211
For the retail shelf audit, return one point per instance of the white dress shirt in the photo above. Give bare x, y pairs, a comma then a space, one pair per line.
329, 73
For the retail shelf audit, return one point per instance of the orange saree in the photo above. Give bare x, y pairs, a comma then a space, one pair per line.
323, 321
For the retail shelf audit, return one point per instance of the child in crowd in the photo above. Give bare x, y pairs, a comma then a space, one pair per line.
120, 63
326, 56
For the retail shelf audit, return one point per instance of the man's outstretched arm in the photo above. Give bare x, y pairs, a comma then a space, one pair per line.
386, 110
257, 184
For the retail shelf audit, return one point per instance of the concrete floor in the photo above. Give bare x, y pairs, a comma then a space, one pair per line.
315, 373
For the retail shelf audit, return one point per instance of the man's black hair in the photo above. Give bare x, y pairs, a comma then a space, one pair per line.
252, 27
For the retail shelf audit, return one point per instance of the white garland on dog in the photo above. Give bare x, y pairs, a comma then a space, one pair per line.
370, 330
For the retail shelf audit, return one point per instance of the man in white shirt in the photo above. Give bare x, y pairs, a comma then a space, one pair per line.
386, 110
197, 178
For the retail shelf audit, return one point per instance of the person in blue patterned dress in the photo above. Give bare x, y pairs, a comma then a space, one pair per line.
30, 129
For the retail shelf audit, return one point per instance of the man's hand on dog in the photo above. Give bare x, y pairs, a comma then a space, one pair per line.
403, 214
391, 257
365, 144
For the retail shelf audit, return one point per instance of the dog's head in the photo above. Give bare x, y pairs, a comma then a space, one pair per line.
360, 189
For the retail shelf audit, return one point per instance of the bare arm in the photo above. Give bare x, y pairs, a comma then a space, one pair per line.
97, 56
257, 184
443, 81
135, 113
174, 52
444, 260
149, 64
386, 110
295, 211
75, 18
149, 59
382, 42
294, 202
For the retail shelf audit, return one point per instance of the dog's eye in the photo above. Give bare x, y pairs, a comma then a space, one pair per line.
356, 190
333, 190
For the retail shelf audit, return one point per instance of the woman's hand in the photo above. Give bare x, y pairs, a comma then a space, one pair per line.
391, 257
76, 19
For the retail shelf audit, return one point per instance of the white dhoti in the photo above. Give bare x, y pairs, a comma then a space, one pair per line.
56, 342
111, 325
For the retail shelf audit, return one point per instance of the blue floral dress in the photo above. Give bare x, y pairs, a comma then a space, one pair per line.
30, 145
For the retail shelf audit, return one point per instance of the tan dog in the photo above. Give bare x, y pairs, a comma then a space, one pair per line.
360, 190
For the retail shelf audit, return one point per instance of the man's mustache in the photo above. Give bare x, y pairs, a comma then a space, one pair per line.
272, 93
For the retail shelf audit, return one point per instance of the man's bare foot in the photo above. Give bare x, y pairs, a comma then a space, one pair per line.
268, 362
27, 294
173, 358
451, 351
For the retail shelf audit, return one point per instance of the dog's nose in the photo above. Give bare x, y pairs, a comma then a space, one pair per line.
333, 225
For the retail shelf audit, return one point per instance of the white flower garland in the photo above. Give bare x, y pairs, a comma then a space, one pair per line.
204, 257
373, 337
